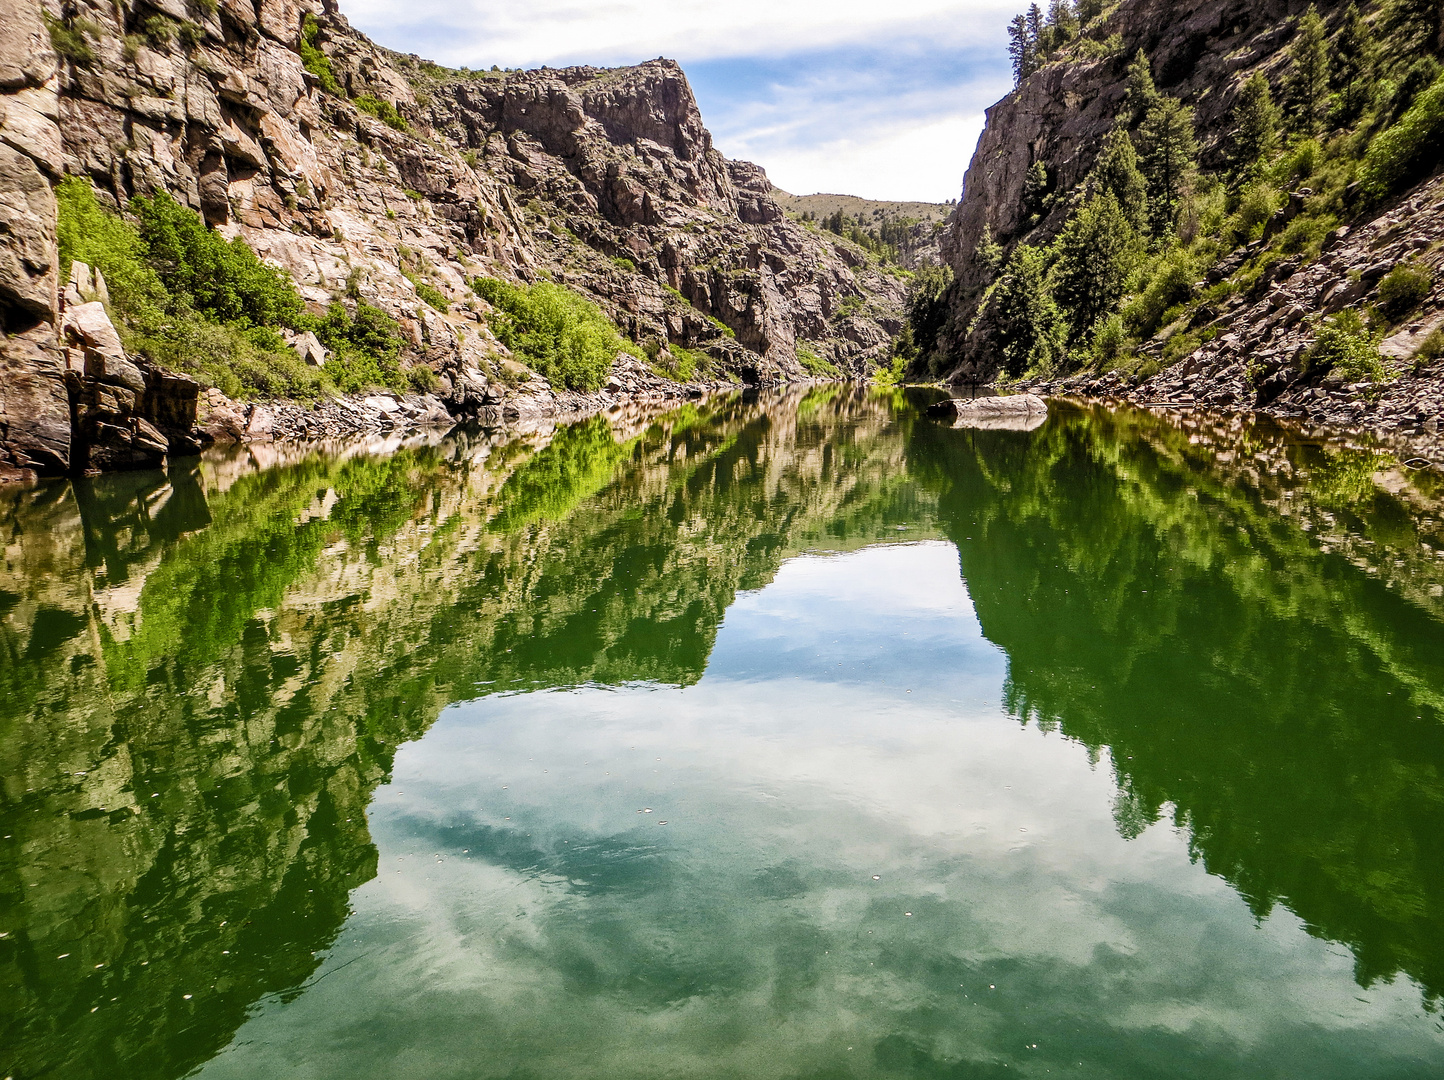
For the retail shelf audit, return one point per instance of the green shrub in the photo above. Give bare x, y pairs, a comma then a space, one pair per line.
1171, 283
101, 238
1346, 347
1431, 349
314, 60
158, 29
1404, 288
429, 293
68, 39
383, 111
1409, 150
190, 301
686, 363
365, 347
223, 280
1419, 76
422, 379
1110, 340
555, 332
1305, 235
1257, 204
626, 264
815, 365
241, 364
891, 374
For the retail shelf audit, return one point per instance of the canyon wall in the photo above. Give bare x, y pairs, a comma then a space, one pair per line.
381, 174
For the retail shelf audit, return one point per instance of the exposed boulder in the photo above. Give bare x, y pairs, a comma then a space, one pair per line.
1010, 412
35, 436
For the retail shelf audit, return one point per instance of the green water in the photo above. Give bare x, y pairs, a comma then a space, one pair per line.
800, 737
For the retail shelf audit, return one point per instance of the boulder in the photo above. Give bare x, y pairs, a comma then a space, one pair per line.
90, 328
1012, 412
1403, 344
309, 348
34, 408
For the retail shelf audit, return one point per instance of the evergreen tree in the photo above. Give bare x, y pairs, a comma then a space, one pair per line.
1098, 252
1037, 27
1116, 173
1352, 76
988, 254
1035, 191
1141, 94
1088, 10
1027, 327
1168, 151
1022, 49
1255, 125
1062, 22
1308, 81
927, 307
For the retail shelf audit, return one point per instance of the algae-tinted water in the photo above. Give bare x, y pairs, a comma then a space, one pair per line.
794, 737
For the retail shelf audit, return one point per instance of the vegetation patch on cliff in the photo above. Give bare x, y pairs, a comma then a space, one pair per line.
555, 332
1135, 266
189, 300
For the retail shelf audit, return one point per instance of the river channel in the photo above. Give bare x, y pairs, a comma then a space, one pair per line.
798, 736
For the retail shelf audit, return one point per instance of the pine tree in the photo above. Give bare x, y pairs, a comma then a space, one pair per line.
1021, 49
1309, 75
988, 254
1352, 76
1141, 94
1027, 327
1088, 10
1035, 190
1037, 28
1098, 251
1116, 173
1168, 151
1062, 21
1255, 125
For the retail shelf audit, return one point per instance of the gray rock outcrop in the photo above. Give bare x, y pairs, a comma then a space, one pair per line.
605, 181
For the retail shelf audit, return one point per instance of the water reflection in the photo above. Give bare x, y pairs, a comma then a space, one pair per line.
1249, 681
206, 677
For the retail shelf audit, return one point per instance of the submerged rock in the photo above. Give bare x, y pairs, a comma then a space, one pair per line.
1010, 412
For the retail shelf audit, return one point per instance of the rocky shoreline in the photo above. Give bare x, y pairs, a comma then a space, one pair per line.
223, 420
1401, 418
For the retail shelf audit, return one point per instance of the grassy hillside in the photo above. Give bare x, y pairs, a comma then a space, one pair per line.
878, 210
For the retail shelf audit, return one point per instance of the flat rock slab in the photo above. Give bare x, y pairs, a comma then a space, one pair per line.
1011, 412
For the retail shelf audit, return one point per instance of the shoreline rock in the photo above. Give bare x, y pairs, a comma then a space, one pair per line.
1006, 412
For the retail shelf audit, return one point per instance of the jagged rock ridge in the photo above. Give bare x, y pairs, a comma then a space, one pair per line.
603, 180
1252, 345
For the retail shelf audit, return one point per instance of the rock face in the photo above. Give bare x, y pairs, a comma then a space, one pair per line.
1254, 341
605, 181
1202, 51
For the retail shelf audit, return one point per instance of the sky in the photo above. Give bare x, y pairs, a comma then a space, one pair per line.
879, 99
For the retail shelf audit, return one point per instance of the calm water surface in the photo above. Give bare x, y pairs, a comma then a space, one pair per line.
800, 737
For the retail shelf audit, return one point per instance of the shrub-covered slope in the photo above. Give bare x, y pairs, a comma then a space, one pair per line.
1230, 187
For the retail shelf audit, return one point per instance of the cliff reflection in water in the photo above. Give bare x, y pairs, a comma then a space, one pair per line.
1250, 628
205, 675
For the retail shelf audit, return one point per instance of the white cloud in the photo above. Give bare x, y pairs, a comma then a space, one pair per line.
925, 162
883, 101
480, 33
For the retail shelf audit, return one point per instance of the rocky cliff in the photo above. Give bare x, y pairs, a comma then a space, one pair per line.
370, 175
1241, 335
